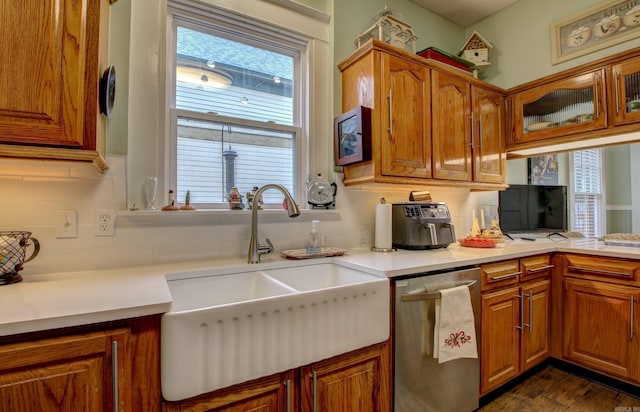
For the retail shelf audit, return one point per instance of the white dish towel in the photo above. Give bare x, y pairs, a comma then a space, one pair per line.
454, 331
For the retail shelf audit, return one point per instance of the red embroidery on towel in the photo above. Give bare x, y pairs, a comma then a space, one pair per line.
457, 339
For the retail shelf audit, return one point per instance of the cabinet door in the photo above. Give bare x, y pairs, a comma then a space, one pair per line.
535, 341
489, 157
600, 327
451, 127
44, 86
71, 373
271, 394
405, 124
500, 350
626, 91
345, 383
560, 108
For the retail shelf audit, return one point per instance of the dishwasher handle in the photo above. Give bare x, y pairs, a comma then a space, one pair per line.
423, 294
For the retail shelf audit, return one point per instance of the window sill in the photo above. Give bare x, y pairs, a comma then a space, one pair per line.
133, 218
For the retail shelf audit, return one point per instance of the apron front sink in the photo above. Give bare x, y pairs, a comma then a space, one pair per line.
225, 329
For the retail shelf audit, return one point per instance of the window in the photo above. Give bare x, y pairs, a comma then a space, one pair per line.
587, 191
235, 109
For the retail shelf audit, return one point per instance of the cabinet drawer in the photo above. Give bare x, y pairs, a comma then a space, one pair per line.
535, 267
602, 268
500, 274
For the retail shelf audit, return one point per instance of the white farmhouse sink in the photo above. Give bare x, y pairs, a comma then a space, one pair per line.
326, 275
225, 329
221, 290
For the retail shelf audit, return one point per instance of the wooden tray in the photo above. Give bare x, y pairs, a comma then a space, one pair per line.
302, 253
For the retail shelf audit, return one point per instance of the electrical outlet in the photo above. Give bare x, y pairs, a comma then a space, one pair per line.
105, 222
66, 224
363, 237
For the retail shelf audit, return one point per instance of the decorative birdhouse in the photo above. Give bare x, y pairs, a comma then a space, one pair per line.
476, 50
389, 27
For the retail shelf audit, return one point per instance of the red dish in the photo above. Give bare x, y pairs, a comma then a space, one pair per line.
478, 242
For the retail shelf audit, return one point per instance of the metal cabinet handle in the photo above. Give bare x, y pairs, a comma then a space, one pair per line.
423, 294
287, 385
480, 130
472, 131
315, 380
521, 325
597, 99
530, 297
617, 93
598, 271
114, 368
507, 276
540, 269
390, 112
632, 307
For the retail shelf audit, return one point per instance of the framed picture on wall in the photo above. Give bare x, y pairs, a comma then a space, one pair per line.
595, 28
543, 170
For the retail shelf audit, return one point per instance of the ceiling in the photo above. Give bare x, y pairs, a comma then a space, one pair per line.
464, 12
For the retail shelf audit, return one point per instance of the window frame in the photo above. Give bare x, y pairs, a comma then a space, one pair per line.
227, 24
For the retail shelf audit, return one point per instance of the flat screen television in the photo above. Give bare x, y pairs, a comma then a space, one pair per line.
533, 208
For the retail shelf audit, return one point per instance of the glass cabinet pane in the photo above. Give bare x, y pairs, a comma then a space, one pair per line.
558, 108
632, 92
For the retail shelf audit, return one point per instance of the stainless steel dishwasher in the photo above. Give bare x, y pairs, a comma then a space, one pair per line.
421, 383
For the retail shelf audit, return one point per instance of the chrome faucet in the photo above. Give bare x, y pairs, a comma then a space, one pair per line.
255, 248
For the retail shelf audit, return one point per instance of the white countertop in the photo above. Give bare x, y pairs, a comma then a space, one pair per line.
58, 300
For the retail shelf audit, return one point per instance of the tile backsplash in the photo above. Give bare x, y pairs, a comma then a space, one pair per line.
34, 190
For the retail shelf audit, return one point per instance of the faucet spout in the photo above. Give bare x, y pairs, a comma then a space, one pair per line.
256, 249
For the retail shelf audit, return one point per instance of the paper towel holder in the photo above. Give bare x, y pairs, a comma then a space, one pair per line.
379, 249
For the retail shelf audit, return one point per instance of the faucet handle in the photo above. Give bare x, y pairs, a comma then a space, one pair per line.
264, 249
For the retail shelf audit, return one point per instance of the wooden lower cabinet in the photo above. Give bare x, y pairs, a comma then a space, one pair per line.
500, 353
273, 393
69, 373
73, 369
355, 381
601, 323
515, 332
535, 342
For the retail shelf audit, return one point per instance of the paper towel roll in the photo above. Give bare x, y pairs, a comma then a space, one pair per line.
383, 226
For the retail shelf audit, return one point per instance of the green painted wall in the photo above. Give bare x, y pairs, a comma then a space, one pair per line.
619, 221
119, 29
520, 35
616, 175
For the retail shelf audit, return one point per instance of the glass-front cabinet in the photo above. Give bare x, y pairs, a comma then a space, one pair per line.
563, 107
626, 90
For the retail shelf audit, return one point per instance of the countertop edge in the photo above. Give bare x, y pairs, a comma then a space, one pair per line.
52, 301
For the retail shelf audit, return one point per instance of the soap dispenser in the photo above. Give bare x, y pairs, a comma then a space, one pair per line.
313, 246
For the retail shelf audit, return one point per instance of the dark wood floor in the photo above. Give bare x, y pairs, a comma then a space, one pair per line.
552, 389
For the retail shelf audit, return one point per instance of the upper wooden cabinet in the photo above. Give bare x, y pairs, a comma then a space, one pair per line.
405, 149
562, 107
53, 54
451, 127
625, 105
430, 124
599, 99
488, 134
